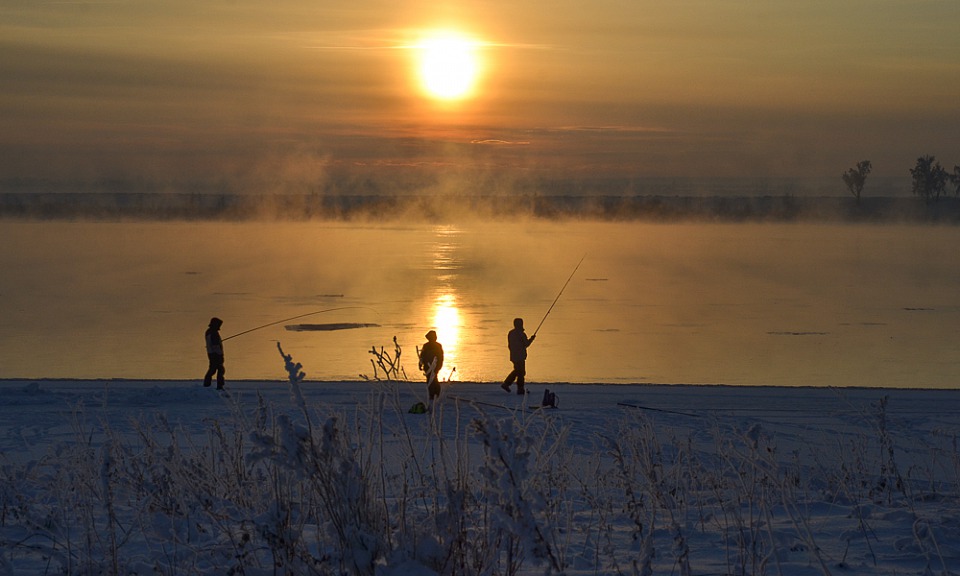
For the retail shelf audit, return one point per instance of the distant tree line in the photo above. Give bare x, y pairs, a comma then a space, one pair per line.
929, 182
930, 179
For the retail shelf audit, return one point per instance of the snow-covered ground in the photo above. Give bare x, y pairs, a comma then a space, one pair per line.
168, 477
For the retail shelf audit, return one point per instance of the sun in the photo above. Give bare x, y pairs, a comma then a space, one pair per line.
449, 65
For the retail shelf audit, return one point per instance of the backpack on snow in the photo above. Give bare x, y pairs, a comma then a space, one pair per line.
418, 408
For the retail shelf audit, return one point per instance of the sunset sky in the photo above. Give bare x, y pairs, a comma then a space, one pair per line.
292, 93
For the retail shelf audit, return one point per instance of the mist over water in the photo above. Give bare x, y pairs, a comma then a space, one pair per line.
755, 304
461, 198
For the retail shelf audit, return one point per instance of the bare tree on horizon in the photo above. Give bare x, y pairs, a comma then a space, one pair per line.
856, 177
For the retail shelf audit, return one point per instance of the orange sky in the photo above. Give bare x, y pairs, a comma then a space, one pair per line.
291, 93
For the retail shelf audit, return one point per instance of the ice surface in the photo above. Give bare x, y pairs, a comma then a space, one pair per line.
322, 477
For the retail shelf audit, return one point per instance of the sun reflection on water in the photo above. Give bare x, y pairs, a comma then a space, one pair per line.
445, 310
446, 321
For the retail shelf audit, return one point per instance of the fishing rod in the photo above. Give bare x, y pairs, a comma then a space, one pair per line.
296, 317
558, 295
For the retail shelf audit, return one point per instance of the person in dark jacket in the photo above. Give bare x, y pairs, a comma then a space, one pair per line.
431, 361
518, 342
214, 353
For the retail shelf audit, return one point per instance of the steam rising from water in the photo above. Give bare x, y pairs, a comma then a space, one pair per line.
457, 199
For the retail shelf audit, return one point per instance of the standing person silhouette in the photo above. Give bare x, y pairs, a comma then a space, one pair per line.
431, 361
518, 342
214, 353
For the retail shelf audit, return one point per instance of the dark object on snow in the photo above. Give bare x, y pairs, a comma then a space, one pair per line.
549, 399
418, 408
214, 353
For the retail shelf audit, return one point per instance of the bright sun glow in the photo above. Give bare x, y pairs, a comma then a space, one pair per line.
449, 65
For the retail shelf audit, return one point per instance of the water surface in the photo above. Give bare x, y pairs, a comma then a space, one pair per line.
756, 304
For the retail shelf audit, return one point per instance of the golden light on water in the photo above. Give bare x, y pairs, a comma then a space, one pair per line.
445, 316
447, 323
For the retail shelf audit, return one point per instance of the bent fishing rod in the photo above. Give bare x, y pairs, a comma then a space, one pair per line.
296, 317
559, 294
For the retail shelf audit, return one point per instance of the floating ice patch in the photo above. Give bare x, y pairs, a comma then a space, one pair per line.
788, 333
328, 327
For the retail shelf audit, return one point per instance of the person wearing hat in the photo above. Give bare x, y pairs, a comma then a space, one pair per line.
431, 361
214, 353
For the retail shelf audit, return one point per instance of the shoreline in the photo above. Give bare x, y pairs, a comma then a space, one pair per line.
414, 383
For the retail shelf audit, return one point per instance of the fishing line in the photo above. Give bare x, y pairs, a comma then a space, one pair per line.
559, 294
296, 317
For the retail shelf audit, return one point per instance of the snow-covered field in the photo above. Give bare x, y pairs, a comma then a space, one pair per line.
168, 477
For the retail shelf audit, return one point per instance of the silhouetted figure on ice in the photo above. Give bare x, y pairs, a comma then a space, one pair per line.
431, 361
214, 353
518, 342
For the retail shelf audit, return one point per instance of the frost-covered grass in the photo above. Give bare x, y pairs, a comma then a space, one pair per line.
340, 479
